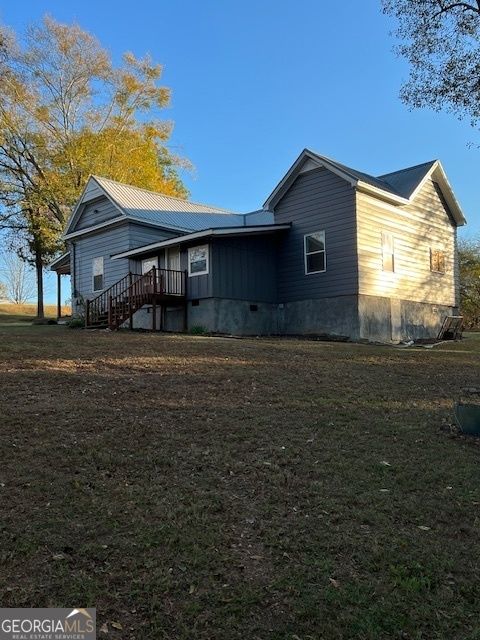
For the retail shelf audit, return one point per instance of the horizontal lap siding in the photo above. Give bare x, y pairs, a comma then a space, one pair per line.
416, 228
245, 268
141, 235
95, 213
104, 244
107, 243
318, 201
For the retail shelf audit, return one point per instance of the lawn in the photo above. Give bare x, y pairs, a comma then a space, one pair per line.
21, 313
210, 488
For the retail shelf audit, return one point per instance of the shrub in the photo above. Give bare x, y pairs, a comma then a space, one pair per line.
76, 323
198, 330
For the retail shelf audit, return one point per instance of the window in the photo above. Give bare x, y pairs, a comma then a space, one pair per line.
198, 260
437, 261
148, 264
314, 252
97, 270
388, 252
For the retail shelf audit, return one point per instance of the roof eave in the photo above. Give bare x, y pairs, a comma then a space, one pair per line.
381, 193
198, 235
449, 195
288, 179
59, 260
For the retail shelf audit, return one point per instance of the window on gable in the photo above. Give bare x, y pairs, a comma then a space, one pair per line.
198, 260
314, 252
388, 252
97, 271
437, 261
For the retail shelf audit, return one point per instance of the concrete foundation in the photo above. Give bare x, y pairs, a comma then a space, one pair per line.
235, 317
325, 316
392, 320
355, 317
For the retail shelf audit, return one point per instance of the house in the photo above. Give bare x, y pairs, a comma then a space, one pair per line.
333, 251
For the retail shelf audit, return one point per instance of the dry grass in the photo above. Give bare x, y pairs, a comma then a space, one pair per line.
14, 313
207, 488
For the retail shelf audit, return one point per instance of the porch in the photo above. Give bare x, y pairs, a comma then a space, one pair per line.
116, 306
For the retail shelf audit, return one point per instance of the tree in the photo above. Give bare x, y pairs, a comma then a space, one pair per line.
3, 291
67, 112
18, 279
469, 258
441, 41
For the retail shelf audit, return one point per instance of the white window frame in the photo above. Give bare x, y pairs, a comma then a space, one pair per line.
311, 253
98, 274
207, 261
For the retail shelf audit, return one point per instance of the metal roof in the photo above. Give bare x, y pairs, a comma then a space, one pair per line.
157, 208
407, 180
357, 175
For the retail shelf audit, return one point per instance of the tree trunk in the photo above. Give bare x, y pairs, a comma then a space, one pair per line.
39, 274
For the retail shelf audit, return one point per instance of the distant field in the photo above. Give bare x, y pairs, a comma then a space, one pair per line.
216, 489
26, 312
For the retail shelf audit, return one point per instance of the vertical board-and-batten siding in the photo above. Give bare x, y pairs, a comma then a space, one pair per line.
245, 268
318, 200
416, 229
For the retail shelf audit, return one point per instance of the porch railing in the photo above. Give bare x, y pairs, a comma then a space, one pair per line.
120, 301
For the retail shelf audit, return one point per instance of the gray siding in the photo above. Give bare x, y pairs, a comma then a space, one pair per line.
96, 212
106, 243
141, 235
112, 240
318, 200
198, 286
245, 268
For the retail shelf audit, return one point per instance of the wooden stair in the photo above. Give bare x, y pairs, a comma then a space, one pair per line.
116, 305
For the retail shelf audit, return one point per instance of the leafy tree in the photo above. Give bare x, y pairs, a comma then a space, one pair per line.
469, 258
441, 41
66, 112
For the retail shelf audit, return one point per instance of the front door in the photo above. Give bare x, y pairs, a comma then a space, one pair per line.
173, 281
148, 264
173, 259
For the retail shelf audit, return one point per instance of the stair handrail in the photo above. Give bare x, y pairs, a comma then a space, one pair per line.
98, 305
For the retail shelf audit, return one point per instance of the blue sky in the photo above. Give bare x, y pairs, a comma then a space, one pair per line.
254, 82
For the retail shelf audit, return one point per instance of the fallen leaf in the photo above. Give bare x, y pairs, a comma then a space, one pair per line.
117, 625
334, 583
424, 528
104, 628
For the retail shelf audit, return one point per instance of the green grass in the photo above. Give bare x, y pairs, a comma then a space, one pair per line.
193, 487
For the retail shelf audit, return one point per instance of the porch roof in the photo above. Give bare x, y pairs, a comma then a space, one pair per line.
61, 264
201, 235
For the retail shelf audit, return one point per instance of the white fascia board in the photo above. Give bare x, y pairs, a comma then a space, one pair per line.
380, 193
294, 170
74, 217
450, 197
198, 235
120, 219
59, 259
422, 182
